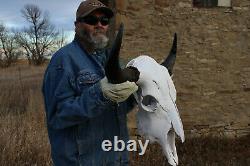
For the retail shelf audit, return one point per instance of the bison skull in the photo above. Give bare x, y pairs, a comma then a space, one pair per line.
158, 118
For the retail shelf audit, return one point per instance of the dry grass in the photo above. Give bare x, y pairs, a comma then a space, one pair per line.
24, 141
202, 151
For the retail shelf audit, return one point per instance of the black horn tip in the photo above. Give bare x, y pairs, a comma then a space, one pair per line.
174, 47
120, 32
112, 68
121, 27
170, 60
118, 39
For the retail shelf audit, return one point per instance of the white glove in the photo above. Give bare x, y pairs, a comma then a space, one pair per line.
117, 92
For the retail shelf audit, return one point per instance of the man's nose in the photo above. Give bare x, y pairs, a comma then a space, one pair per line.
99, 24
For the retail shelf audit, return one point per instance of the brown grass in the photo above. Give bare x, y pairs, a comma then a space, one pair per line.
201, 151
24, 140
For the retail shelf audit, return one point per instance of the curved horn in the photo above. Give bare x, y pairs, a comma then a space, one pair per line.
170, 60
112, 68
113, 71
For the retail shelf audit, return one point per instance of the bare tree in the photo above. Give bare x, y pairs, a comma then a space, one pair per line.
39, 37
61, 40
8, 47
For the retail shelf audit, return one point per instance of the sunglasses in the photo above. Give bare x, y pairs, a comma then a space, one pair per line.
93, 20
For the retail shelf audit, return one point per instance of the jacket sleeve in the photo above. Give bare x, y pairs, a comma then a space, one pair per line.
64, 106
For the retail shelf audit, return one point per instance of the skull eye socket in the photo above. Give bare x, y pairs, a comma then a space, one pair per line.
149, 101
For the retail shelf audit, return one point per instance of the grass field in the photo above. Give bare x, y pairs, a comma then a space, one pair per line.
24, 141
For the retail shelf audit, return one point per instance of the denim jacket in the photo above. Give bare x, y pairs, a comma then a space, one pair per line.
78, 116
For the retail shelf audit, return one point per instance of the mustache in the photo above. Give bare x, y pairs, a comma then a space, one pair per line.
99, 30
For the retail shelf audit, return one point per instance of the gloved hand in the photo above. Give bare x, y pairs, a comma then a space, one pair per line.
117, 92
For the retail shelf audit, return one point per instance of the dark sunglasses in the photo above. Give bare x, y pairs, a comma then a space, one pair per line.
93, 20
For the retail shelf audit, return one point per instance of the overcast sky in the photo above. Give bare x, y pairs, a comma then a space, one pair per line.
61, 13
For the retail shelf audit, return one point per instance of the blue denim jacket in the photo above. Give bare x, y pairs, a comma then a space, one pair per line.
78, 116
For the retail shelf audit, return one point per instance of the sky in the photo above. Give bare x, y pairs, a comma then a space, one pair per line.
61, 13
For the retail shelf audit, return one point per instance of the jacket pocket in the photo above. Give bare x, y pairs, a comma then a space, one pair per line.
86, 78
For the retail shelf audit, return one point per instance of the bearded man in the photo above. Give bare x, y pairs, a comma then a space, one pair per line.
82, 108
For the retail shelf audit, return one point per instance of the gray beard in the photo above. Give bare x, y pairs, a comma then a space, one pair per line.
97, 40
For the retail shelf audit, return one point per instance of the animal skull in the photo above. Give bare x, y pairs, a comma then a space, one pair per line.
158, 118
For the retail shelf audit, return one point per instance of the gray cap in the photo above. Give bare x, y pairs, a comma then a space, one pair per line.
88, 6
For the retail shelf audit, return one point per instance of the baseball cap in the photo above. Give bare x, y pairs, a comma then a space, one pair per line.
88, 6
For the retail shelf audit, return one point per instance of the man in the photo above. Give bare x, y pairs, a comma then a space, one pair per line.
82, 108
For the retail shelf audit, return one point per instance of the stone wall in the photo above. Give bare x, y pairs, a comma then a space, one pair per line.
212, 71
